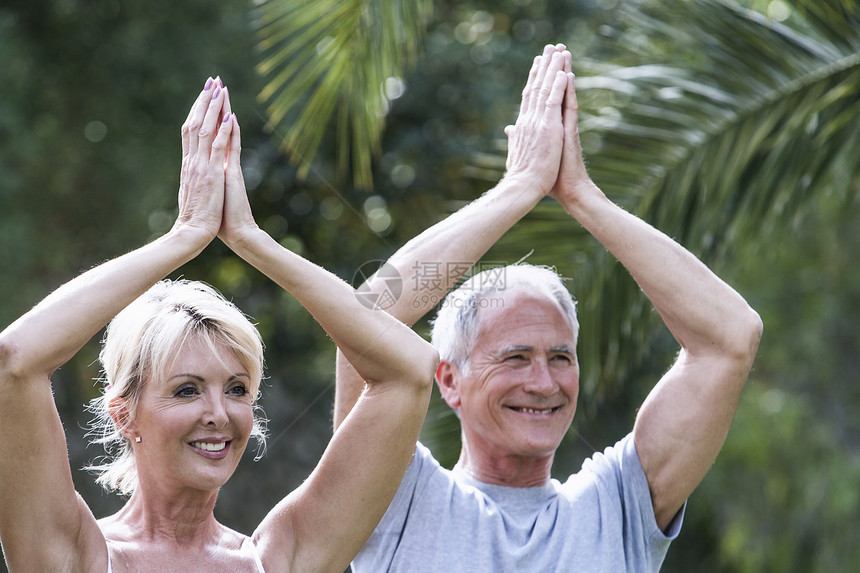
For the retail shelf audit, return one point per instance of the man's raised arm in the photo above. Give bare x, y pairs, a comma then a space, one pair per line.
452, 246
685, 419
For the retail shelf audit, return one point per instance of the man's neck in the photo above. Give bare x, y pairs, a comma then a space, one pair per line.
508, 470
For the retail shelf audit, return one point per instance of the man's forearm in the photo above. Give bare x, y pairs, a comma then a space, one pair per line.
431, 264
701, 311
682, 424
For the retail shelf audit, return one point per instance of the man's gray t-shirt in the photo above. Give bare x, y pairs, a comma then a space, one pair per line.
599, 520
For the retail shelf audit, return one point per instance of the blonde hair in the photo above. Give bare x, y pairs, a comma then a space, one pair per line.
136, 347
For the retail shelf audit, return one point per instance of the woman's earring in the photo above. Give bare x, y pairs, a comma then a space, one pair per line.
137, 439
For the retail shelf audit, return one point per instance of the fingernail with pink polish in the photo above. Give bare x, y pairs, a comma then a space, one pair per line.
208, 84
226, 118
216, 93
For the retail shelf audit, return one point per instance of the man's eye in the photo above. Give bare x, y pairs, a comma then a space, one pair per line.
515, 358
562, 358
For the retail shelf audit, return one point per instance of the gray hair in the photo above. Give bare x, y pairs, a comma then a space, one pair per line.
136, 348
455, 328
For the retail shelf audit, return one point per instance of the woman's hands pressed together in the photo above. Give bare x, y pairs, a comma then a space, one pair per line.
238, 221
205, 138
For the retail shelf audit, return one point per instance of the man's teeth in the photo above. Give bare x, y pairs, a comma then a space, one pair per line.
210, 447
534, 411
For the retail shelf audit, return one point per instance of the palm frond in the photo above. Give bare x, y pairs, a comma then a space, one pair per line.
726, 125
328, 61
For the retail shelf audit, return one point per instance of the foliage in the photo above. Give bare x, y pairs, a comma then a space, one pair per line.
783, 493
331, 57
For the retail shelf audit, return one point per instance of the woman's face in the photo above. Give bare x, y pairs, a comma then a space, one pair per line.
195, 422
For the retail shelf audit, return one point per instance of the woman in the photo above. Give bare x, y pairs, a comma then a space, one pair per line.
183, 367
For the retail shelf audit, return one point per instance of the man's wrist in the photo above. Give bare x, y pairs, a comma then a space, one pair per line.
522, 185
582, 195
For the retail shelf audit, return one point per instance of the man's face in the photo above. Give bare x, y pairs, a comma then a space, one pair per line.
519, 396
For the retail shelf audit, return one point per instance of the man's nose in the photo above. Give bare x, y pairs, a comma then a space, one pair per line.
540, 379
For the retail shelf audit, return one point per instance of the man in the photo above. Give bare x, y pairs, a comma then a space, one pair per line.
510, 370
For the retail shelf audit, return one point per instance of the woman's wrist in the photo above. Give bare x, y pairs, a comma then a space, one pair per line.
189, 238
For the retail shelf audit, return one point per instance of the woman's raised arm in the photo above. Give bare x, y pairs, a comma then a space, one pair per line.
323, 524
44, 525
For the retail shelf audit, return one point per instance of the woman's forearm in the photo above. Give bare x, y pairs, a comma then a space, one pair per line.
380, 347
54, 330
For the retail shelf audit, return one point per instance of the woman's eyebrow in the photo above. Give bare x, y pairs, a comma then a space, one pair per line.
186, 375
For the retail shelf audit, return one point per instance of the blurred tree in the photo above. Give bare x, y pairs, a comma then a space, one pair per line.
342, 64
327, 58
783, 495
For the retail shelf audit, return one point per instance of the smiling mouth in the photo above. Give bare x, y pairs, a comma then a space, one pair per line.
209, 446
534, 410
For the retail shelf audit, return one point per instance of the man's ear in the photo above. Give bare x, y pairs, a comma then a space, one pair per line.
121, 415
448, 379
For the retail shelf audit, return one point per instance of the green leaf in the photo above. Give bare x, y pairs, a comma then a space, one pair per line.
328, 61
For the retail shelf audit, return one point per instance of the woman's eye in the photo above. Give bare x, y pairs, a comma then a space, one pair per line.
187, 391
238, 390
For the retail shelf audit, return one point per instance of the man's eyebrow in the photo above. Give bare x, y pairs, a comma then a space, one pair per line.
526, 348
516, 348
563, 348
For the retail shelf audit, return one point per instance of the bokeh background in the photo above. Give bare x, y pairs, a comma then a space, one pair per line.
733, 127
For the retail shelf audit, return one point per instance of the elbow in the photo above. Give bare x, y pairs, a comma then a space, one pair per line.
415, 370
20, 362
735, 342
11, 361
422, 368
412, 380
429, 362
744, 341
754, 327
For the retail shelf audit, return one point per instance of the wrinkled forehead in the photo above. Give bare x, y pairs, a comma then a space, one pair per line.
525, 318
